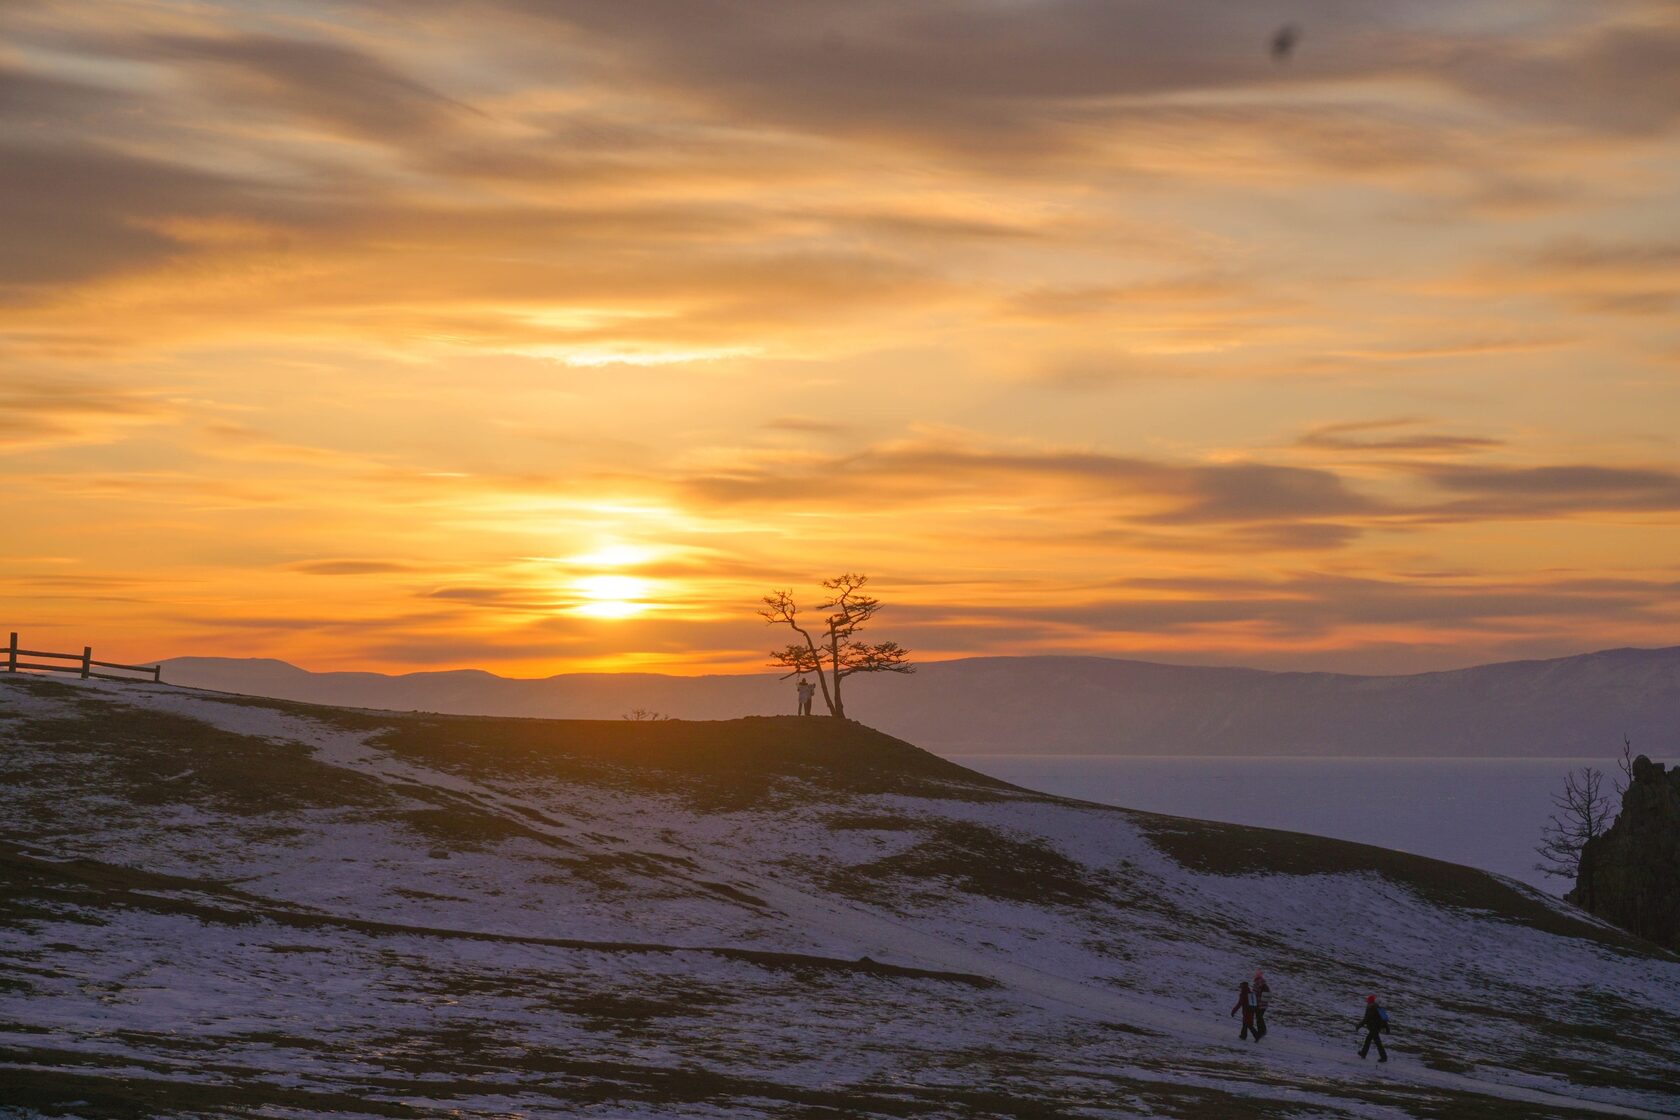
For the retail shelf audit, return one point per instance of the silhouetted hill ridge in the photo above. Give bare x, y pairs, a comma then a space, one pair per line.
1570, 706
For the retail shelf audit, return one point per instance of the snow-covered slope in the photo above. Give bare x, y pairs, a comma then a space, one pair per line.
1563, 708
229, 907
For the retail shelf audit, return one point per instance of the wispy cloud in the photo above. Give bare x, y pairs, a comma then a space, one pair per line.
1550, 491
351, 567
37, 414
1399, 434
333, 84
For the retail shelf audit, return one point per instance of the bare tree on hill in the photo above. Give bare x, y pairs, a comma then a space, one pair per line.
833, 652
1625, 765
1583, 813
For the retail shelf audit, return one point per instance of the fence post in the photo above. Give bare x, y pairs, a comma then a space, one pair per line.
87, 661
157, 673
11, 655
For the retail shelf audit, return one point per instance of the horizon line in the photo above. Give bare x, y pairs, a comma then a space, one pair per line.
1222, 667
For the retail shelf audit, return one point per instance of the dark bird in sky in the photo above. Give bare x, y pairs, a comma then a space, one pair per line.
1283, 43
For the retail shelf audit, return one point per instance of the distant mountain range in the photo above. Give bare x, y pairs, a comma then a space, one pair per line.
1569, 706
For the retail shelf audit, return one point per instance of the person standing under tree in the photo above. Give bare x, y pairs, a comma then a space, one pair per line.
806, 690
1374, 1023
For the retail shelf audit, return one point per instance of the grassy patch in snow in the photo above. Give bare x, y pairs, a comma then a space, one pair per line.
152, 758
977, 860
53, 1085
714, 766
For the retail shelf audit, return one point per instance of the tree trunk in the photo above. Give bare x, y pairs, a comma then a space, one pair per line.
822, 680
836, 709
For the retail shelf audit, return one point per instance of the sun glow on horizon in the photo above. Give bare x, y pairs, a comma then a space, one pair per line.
611, 596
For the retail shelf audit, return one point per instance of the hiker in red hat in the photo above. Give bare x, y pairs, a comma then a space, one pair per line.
1374, 1023
1262, 1000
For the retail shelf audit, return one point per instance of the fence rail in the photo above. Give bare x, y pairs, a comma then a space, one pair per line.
81, 664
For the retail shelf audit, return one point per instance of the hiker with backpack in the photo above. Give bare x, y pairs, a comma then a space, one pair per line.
1373, 1024
1245, 1004
1262, 1000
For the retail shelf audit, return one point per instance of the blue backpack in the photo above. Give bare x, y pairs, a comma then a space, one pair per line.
1382, 1013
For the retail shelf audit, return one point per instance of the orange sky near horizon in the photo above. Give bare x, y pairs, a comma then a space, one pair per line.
547, 338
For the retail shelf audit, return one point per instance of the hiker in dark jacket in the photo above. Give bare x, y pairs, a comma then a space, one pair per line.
1374, 1023
1245, 1004
1262, 1000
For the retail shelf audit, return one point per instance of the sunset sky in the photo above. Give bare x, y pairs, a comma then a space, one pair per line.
541, 337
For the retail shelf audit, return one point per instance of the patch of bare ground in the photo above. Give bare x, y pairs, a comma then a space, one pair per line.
47, 1083
719, 764
467, 828
716, 766
544, 1081
156, 758
77, 1085
975, 859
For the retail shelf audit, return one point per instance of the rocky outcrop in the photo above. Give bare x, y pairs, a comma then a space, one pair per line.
1631, 874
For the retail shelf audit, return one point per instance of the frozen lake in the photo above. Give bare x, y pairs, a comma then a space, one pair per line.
1484, 812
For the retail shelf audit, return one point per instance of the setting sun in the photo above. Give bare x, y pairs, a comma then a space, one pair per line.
610, 596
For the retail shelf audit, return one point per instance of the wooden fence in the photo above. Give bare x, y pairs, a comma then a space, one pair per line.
81, 664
